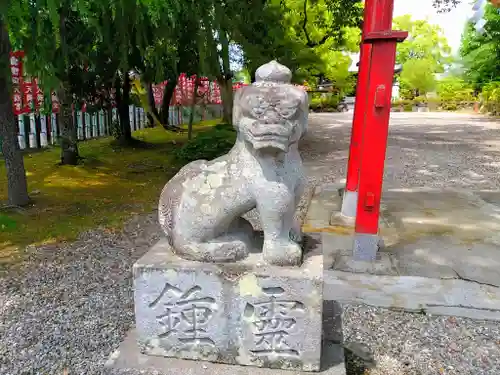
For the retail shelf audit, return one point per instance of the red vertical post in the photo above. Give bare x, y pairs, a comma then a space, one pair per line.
349, 202
376, 125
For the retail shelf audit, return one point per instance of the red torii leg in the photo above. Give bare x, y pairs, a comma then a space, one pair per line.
350, 199
369, 158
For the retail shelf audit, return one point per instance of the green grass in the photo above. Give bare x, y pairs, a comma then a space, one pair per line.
7, 223
109, 186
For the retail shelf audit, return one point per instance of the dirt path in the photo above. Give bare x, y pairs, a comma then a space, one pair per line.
424, 149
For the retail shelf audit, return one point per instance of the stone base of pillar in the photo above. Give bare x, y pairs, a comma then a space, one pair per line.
366, 247
32, 140
22, 141
349, 203
43, 139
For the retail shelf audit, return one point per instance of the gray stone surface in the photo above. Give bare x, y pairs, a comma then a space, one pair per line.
325, 211
446, 257
365, 247
412, 293
382, 265
247, 313
325, 200
200, 209
127, 359
435, 233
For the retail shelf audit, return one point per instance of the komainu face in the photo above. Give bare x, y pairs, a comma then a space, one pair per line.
271, 117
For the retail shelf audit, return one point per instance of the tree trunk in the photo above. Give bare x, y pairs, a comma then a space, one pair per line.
123, 100
17, 189
116, 131
225, 81
167, 99
191, 113
252, 75
152, 106
109, 121
69, 137
226, 88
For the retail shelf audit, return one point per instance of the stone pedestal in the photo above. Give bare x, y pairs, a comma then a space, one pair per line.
244, 313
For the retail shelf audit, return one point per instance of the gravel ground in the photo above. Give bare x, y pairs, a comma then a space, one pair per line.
71, 305
424, 149
416, 344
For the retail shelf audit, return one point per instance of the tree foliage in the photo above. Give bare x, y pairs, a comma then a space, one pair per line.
491, 97
481, 60
58, 41
86, 48
445, 5
423, 54
309, 36
327, 30
454, 89
481, 53
417, 78
425, 41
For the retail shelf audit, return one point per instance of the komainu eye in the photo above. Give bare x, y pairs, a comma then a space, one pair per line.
287, 112
258, 105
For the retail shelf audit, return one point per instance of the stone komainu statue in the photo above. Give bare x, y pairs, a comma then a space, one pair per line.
200, 208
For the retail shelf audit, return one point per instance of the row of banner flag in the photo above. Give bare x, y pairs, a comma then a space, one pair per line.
208, 92
27, 95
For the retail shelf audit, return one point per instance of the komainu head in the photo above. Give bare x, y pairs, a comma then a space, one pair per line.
271, 114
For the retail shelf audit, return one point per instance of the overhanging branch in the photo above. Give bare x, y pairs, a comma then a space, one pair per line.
310, 43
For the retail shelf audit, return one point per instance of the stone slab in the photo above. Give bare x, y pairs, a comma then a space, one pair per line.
412, 293
246, 313
325, 200
128, 359
448, 257
435, 233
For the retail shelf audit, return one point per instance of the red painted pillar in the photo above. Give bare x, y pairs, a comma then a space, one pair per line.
349, 202
376, 125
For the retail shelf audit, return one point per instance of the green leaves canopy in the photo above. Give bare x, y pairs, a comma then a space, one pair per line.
445, 5
454, 88
425, 41
82, 41
481, 53
418, 76
423, 54
313, 37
